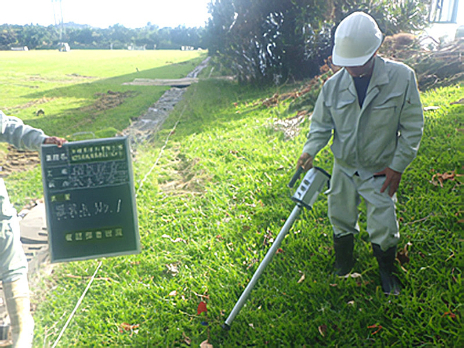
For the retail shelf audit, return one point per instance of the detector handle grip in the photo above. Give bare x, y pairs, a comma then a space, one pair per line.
295, 177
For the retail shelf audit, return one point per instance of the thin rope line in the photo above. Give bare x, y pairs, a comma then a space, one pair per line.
77, 305
164, 146
160, 154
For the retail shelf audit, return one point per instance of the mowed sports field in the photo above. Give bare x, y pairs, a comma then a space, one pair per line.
62, 92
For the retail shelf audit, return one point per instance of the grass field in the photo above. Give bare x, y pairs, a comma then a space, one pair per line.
68, 86
71, 89
212, 195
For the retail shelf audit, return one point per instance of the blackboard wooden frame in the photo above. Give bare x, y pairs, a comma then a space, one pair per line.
90, 199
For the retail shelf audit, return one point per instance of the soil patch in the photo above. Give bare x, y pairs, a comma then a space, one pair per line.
15, 160
108, 100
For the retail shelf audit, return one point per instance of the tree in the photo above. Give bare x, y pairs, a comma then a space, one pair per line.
273, 40
8, 36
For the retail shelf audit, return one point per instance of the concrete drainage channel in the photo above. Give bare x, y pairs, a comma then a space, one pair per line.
34, 236
143, 129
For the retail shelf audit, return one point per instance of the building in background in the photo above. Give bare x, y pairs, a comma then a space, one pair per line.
447, 18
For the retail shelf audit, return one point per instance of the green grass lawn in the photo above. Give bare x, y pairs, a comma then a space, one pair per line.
66, 86
211, 195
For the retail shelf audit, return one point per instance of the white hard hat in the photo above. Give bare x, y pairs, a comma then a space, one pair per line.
357, 38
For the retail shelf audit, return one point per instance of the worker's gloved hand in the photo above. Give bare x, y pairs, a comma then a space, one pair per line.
305, 161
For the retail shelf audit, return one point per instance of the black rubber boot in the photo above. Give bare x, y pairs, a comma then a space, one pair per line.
343, 247
386, 259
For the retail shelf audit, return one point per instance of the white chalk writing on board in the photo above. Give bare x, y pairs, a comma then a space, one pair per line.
72, 210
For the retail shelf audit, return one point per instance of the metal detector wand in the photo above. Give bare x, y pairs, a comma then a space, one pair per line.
305, 196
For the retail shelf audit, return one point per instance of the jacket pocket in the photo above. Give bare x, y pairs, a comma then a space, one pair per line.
384, 113
342, 103
392, 100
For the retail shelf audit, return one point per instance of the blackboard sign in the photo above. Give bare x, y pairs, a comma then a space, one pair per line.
90, 199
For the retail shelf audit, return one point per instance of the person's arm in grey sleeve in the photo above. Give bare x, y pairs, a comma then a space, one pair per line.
319, 134
410, 128
321, 128
16, 133
410, 133
23, 137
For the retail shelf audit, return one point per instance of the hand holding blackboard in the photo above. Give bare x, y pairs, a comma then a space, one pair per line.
54, 141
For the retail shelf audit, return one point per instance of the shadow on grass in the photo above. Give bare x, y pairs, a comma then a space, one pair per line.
224, 104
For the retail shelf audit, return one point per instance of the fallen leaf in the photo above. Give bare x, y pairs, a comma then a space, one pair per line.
438, 179
279, 251
268, 238
322, 330
205, 344
375, 326
127, 327
187, 340
252, 263
201, 308
177, 240
353, 275
449, 314
403, 255
173, 269
364, 283
173, 293
301, 279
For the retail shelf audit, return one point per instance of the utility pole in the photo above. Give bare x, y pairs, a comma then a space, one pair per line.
63, 47
60, 17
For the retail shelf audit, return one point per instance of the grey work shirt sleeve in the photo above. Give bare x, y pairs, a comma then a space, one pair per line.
16, 133
411, 124
321, 127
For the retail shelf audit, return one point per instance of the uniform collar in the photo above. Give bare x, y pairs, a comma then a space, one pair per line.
379, 77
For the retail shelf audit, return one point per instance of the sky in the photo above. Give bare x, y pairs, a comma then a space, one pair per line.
105, 13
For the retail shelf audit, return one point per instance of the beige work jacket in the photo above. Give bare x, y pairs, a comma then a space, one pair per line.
385, 132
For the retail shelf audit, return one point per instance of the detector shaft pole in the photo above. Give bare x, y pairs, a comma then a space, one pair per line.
267, 259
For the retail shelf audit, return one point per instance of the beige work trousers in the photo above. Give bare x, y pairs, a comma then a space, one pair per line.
344, 198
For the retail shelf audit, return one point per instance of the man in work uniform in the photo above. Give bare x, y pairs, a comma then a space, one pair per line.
13, 262
372, 109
